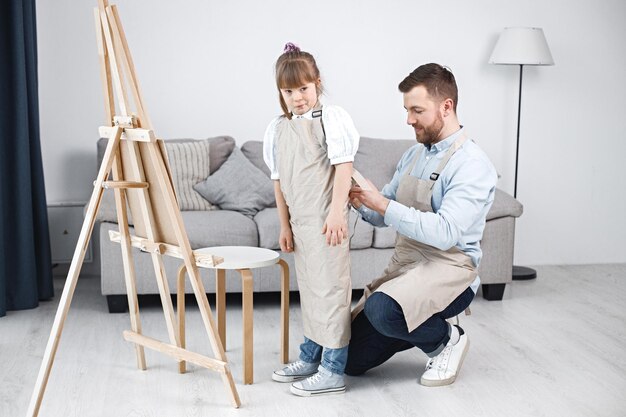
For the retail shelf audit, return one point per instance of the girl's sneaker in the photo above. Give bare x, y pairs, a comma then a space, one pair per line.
295, 371
322, 383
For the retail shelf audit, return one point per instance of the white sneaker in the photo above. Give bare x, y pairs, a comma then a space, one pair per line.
322, 383
295, 371
443, 368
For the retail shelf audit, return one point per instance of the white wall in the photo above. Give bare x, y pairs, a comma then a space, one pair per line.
206, 68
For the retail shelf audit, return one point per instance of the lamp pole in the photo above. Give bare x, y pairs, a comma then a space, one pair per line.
520, 273
519, 114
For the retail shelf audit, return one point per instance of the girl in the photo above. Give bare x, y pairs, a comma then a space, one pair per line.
309, 150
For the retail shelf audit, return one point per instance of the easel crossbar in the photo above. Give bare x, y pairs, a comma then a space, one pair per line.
176, 352
124, 184
202, 259
137, 135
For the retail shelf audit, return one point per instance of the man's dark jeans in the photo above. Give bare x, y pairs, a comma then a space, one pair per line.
380, 331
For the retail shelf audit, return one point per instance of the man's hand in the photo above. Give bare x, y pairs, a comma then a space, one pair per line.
371, 198
335, 228
285, 239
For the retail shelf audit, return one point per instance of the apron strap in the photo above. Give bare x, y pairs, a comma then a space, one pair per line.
453, 148
415, 159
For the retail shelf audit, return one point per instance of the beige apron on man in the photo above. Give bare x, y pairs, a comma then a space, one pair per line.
424, 280
323, 271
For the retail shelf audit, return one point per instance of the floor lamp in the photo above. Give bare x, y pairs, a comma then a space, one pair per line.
521, 46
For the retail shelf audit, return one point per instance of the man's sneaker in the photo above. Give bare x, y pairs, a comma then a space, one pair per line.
323, 382
295, 371
443, 368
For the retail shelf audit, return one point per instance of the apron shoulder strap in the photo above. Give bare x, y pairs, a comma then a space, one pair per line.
415, 159
444, 161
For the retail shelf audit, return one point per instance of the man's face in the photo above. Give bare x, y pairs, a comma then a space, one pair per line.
425, 114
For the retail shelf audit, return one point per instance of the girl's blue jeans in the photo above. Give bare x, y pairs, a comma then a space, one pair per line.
333, 360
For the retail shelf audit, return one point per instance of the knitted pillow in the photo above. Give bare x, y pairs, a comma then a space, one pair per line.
189, 165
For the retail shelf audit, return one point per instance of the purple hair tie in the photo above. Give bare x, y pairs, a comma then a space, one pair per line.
290, 47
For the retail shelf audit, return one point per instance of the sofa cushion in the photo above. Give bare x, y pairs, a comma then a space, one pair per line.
238, 185
269, 230
189, 165
253, 150
219, 228
384, 237
369, 162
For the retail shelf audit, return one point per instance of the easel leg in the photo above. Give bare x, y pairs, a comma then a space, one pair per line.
211, 328
72, 276
180, 306
220, 304
127, 260
284, 311
248, 334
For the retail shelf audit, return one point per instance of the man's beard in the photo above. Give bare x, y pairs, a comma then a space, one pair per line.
430, 134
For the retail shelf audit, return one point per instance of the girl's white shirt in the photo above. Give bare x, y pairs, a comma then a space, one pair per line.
342, 138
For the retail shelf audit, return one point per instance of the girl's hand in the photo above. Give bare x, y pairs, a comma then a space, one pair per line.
285, 239
335, 228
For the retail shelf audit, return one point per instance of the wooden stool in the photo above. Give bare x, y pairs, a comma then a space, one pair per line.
243, 259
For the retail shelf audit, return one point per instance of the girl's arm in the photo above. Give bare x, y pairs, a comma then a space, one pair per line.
336, 226
286, 238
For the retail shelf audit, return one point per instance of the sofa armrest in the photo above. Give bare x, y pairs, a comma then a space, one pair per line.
504, 205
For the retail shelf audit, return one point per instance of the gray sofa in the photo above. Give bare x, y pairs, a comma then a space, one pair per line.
371, 247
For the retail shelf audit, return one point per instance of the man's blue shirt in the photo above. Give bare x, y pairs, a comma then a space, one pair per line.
462, 196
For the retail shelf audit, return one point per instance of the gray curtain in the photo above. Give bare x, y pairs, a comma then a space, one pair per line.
25, 261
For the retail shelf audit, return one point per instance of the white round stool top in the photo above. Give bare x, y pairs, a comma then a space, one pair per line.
242, 257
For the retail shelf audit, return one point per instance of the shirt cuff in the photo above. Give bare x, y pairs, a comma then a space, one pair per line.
342, 159
394, 214
275, 176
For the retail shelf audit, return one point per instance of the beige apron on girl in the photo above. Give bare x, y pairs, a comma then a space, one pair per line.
323, 271
424, 280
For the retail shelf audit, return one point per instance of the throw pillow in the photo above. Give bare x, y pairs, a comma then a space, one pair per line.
189, 163
238, 185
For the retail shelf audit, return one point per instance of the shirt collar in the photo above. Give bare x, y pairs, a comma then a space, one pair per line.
307, 115
447, 142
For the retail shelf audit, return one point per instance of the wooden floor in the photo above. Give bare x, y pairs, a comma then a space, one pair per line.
555, 346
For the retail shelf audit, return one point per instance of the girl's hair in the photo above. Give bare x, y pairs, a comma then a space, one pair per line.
295, 68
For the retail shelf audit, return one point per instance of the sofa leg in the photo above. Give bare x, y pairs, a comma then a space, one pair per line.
493, 292
117, 303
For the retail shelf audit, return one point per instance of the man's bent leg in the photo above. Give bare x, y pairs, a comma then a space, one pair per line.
369, 348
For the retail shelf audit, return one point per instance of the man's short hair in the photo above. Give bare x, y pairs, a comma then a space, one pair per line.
437, 79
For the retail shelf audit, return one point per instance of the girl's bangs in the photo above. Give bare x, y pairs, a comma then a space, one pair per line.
295, 74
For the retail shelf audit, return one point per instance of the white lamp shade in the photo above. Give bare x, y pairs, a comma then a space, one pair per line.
521, 46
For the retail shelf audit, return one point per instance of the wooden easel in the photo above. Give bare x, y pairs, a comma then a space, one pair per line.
141, 180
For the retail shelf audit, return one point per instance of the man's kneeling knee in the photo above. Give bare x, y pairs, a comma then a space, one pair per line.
385, 314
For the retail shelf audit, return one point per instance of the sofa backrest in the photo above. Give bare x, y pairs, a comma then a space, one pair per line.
377, 159
220, 148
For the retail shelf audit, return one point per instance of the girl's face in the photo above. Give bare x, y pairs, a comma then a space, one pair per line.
301, 99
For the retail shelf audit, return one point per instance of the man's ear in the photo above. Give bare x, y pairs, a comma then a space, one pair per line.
447, 107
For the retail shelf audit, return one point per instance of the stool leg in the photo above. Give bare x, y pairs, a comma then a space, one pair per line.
220, 304
248, 360
180, 307
284, 311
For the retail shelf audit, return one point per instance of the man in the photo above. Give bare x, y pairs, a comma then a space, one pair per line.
437, 201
